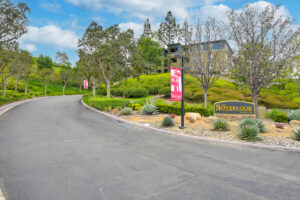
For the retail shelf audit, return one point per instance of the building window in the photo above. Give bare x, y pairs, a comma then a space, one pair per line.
173, 50
159, 71
165, 70
205, 47
219, 45
174, 60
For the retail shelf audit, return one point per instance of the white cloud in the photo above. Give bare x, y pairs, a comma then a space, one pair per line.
28, 47
53, 7
50, 35
261, 5
216, 11
137, 28
144, 8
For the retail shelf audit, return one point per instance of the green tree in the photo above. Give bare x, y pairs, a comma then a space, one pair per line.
62, 58
21, 64
65, 76
45, 70
168, 32
265, 44
151, 52
147, 29
7, 56
89, 69
13, 20
111, 49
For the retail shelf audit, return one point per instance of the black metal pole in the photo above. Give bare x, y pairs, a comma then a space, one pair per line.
182, 100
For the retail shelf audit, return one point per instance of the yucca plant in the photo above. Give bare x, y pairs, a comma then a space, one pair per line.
260, 124
249, 132
220, 125
149, 109
126, 111
296, 134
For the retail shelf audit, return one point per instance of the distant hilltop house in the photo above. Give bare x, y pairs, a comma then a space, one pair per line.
220, 47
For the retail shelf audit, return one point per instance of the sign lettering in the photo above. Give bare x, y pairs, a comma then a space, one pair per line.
234, 107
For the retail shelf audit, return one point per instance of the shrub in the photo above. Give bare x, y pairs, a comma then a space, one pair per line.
249, 132
117, 92
296, 134
279, 125
294, 115
154, 89
281, 117
260, 124
271, 114
126, 111
166, 108
106, 104
135, 106
220, 125
168, 121
165, 91
136, 92
160, 101
149, 109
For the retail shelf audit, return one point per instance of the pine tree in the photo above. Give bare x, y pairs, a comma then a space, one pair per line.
147, 29
168, 32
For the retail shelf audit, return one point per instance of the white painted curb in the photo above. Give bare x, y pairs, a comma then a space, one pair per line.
9, 106
262, 146
2, 197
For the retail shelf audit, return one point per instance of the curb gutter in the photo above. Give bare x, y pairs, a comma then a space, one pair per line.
261, 146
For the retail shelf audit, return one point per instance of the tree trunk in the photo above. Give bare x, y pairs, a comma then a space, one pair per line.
26, 87
205, 98
11, 80
64, 88
80, 88
254, 100
94, 90
17, 84
46, 86
3, 89
108, 88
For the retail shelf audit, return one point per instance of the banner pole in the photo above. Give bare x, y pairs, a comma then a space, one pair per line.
182, 100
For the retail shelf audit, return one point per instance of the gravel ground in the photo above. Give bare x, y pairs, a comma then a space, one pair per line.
203, 129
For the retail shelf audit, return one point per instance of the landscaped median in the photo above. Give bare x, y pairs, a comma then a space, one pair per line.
198, 122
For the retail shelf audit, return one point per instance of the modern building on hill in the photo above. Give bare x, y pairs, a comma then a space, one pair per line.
220, 47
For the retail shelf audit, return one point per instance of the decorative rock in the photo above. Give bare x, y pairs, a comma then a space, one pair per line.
192, 116
295, 123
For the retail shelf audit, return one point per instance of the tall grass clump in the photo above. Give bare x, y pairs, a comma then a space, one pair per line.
220, 125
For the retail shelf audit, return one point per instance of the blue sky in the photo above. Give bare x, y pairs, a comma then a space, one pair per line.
56, 25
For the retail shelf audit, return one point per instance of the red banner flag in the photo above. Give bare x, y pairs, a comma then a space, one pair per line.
85, 84
176, 84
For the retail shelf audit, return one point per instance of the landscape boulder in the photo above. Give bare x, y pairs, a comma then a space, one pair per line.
295, 123
192, 116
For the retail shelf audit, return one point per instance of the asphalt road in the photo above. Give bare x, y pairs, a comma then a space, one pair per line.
56, 149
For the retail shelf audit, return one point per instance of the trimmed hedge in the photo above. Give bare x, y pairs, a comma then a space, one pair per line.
173, 109
165, 91
106, 104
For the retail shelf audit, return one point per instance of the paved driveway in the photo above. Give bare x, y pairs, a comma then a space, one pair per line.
56, 149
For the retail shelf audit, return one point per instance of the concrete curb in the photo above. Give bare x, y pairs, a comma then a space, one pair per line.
9, 106
261, 146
